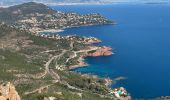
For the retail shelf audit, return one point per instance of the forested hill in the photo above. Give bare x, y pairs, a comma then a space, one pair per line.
13, 13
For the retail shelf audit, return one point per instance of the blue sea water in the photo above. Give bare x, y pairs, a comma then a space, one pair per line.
141, 42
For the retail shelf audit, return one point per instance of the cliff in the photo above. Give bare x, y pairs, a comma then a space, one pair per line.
101, 51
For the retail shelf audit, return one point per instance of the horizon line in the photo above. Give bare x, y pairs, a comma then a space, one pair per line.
85, 3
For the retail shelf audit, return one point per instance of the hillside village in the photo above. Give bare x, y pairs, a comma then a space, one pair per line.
38, 17
59, 20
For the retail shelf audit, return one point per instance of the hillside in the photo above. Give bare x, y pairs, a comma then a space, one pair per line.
14, 13
29, 63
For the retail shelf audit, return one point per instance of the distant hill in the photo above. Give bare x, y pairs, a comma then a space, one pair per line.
31, 7
13, 13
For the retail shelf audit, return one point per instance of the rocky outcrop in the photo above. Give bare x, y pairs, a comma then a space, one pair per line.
8, 92
101, 51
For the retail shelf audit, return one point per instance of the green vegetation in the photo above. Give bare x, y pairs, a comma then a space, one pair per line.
38, 65
23, 63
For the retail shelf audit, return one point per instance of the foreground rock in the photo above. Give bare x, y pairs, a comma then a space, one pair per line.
8, 92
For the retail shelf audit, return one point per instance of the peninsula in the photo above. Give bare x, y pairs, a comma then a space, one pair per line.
38, 17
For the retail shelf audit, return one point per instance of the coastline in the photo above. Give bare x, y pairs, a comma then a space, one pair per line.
50, 30
93, 51
38, 31
111, 23
65, 51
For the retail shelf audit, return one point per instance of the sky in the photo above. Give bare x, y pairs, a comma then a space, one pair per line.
14, 2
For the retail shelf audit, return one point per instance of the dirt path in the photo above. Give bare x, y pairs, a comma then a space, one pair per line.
37, 90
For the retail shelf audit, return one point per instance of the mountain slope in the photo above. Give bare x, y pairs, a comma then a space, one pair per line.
24, 58
14, 13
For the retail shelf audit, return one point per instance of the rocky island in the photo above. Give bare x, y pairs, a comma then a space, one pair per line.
39, 64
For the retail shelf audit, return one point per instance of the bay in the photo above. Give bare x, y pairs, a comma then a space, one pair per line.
141, 42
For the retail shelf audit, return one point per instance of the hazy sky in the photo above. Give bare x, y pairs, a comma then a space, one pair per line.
12, 2
85, 0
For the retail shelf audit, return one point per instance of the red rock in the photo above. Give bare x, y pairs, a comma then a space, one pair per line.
102, 51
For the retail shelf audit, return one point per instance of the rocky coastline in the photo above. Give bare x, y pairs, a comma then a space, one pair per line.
44, 60
95, 52
101, 51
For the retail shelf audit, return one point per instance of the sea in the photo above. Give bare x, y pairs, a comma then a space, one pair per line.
141, 43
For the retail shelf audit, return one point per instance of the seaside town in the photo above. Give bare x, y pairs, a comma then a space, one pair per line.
59, 20
45, 19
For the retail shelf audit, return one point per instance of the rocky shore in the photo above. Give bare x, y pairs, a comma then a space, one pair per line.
93, 52
120, 93
101, 51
